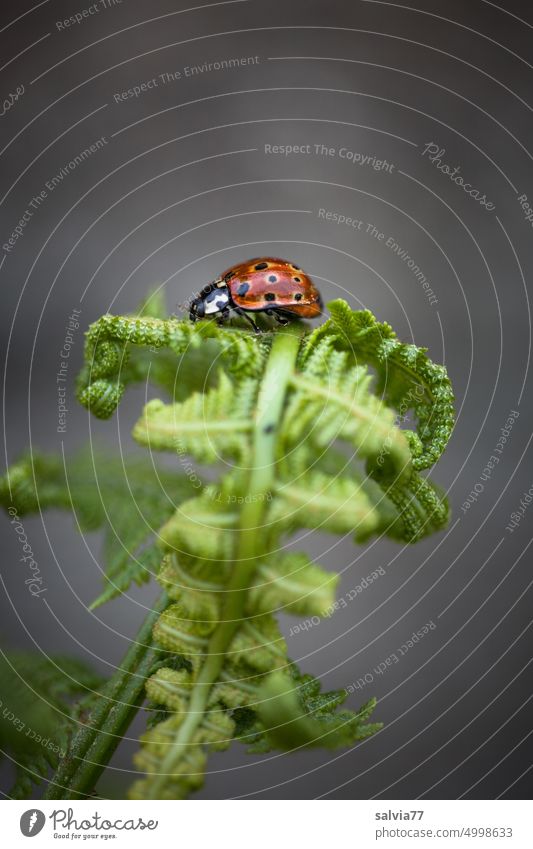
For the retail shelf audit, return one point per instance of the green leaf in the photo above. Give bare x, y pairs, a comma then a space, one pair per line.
292, 583
293, 719
335, 402
37, 711
177, 356
332, 503
126, 497
407, 378
209, 426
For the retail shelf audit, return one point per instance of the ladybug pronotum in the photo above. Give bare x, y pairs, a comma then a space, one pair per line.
264, 285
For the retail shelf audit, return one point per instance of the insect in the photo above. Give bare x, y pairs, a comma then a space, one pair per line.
263, 285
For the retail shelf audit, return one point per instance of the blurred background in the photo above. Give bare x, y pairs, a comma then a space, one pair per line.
188, 114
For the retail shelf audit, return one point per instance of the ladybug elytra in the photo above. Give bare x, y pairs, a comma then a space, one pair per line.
268, 285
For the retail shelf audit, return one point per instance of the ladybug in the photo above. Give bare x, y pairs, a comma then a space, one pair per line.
272, 286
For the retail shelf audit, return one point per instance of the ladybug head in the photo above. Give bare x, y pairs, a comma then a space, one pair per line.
214, 298
197, 308
197, 304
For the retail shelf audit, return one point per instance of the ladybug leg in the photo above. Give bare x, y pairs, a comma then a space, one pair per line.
224, 316
272, 313
279, 319
245, 315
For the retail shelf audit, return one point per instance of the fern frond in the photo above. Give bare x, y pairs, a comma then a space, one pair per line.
330, 397
202, 527
209, 426
340, 405
112, 359
309, 429
214, 733
292, 583
35, 724
287, 581
407, 378
333, 503
127, 498
422, 508
291, 723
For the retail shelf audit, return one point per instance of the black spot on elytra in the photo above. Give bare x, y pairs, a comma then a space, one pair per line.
298, 296
261, 266
272, 278
243, 288
270, 296
297, 279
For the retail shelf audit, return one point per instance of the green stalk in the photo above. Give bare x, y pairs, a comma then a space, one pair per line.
94, 743
274, 385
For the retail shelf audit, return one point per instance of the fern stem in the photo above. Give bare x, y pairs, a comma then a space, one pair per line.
274, 385
95, 743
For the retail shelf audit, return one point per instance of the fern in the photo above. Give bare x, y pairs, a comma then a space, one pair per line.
407, 379
300, 431
37, 719
301, 716
126, 497
207, 425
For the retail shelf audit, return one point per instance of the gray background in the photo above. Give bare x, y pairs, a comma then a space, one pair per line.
184, 190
